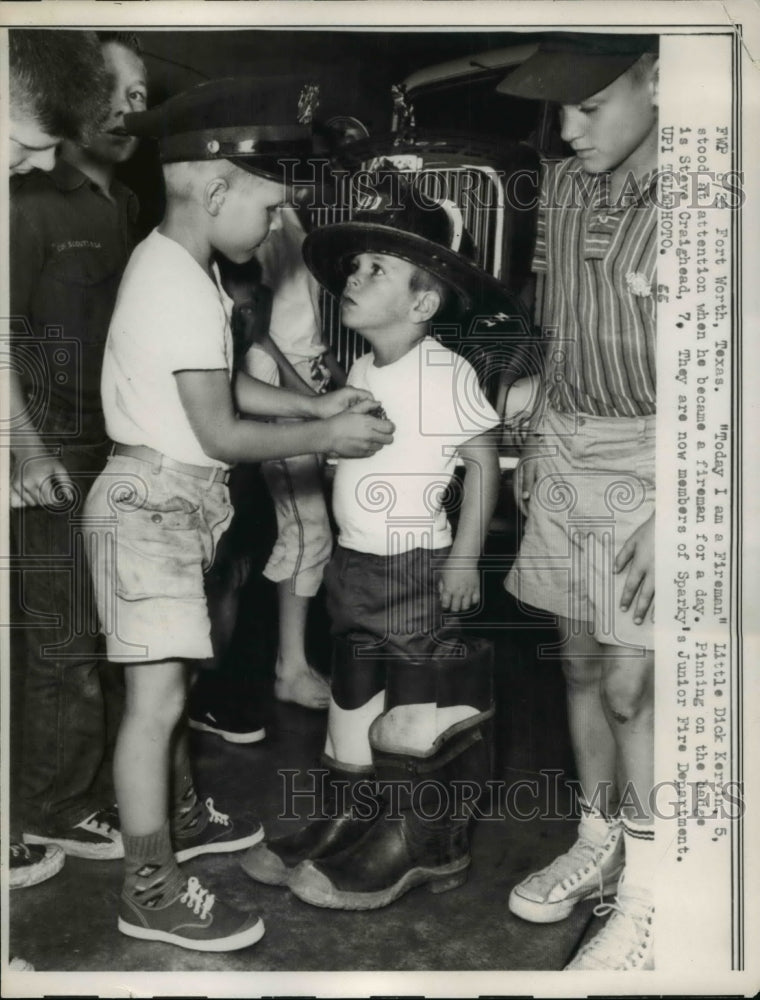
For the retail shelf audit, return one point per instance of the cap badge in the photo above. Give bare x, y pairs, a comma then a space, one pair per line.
212, 146
308, 102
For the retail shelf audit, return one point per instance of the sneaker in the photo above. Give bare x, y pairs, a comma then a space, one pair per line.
231, 726
591, 867
625, 942
192, 918
213, 832
32, 864
95, 837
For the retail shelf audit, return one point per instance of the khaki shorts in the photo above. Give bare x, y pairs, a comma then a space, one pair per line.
594, 485
152, 535
304, 537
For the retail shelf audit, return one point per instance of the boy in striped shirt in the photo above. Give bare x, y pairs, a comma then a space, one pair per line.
586, 482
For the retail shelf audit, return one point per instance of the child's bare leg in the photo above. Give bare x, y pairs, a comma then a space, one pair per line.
596, 857
155, 698
590, 734
627, 695
295, 679
158, 902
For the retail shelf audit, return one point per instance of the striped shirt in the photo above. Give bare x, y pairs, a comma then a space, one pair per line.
596, 297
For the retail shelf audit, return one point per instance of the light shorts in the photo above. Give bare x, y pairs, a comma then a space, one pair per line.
594, 485
304, 536
152, 534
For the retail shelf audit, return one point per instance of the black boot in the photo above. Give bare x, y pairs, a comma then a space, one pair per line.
423, 838
348, 806
348, 803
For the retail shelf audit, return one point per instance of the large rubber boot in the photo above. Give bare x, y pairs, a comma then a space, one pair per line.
346, 803
345, 806
423, 837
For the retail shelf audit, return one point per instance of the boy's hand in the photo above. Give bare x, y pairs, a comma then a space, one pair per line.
459, 588
355, 434
331, 403
38, 480
524, 477
638, 554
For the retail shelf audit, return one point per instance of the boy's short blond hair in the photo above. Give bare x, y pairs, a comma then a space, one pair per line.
423, 281
58, 80
186, 179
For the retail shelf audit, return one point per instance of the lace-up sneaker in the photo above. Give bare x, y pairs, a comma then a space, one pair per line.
232, 725
591, 867
96, 837
625, 942
32, 864
190, 917
212, 832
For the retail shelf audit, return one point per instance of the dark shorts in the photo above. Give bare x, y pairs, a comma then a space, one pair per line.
391, 600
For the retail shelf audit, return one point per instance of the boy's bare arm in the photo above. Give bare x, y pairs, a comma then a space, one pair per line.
289, 377
331, 364
459, 583
208, 403
259, 399
637, 554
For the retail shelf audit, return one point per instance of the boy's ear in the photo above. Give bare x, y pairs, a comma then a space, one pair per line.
427, 304
214, 194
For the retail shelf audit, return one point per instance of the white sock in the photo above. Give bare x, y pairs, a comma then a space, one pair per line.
641, 858
594, 825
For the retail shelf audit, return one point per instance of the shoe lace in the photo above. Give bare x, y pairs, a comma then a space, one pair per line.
198, 899
20, 851
628, 930
214, 816
581, 859
100, 820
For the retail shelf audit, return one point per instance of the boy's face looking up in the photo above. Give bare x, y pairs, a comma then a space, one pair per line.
379, 297
616, 129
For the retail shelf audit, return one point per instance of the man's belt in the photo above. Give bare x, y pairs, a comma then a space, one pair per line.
211, 473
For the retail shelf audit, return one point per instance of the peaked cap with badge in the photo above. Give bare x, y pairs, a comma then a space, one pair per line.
569, 67
254, 122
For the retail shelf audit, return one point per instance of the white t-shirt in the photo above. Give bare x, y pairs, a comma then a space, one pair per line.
391, 502
169, 317
295, 324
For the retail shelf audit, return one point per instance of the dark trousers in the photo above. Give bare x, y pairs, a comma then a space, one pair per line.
65, 769
390, 603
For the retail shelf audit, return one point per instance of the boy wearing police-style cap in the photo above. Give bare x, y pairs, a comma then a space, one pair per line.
410, 700
595, 260
161, 505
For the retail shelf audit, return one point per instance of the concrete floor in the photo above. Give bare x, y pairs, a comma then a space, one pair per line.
69, 923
